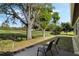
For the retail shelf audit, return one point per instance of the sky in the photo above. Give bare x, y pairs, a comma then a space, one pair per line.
64, 11
62, 8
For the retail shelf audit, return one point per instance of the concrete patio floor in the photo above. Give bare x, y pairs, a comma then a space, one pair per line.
32, 51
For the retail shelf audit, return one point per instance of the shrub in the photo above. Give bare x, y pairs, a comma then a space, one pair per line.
56, 30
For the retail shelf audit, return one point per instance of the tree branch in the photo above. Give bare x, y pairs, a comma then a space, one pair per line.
35, 16
18, 17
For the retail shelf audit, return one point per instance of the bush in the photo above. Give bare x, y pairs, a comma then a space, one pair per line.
56, 30
12, 36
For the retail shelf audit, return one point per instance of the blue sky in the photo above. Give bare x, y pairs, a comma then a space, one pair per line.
3, 18
64, 11
62, 8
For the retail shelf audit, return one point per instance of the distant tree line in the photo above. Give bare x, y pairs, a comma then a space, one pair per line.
57, 29
6, 26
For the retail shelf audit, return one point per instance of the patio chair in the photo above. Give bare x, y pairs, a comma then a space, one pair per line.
50, 48
55, 48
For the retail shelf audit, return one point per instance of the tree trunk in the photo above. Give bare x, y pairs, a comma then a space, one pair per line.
29, 32
44, 33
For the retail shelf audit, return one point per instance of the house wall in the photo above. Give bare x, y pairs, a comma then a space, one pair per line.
75, 13
75, 24
76, 30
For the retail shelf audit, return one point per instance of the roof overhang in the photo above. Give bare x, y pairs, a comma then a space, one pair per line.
74, 13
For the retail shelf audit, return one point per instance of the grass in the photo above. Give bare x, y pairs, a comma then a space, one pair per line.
40, 34
7, 45
68, 33
22, 33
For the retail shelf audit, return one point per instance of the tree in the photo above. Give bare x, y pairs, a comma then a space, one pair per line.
50, 27
45, 17
26, 13
66, 27
5, 26
55, 17
56, 30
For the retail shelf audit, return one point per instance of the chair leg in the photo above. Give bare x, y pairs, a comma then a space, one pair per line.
56, 50
51, 52
37, 52
44, 54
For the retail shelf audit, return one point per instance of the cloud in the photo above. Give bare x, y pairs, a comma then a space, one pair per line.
55, 10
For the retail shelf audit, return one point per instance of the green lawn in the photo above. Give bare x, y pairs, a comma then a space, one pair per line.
68, 33
40, 34
23, 33
13, 31
6, 45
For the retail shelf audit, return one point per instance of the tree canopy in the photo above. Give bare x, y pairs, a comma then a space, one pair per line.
27, 14
55, 17
66, 27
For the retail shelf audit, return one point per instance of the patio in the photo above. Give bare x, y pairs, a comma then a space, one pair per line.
63, 51
66, 45
33, 52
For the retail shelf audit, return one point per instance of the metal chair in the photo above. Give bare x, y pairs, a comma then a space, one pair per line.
52, 45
